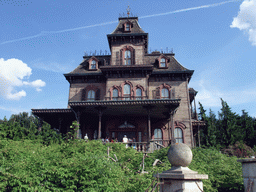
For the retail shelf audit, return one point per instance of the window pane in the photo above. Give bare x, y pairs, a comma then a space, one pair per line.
165, 93
138, 93
178, 135
157, 134
127, 89
162, 62
127, 27
93, 64
91, 95
127, 54
115, 94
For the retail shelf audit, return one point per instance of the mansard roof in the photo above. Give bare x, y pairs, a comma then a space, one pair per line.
83, 67
135, 28
172, 64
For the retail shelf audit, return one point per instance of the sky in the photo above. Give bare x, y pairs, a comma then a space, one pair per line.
42, 40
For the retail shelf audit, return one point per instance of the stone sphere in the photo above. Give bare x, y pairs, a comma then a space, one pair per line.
179, 154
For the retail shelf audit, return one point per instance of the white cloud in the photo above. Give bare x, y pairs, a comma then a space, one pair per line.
37, 84
15, 110
12, 73
209, 95
246, 19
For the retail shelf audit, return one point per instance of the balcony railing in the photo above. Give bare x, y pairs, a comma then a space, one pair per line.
125, 98
146, 147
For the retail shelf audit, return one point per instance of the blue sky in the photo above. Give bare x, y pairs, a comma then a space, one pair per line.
42, 40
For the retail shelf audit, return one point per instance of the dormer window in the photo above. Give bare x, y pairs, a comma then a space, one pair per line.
127, 57
93, 63
127, 27
162, 60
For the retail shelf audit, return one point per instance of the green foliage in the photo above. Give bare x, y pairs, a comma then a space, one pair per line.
77, 165
228, 128
23, 126
72, 134
225, 173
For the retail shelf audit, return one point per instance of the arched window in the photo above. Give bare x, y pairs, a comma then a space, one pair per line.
127, 91
127, 57
115, 94
165, 93
93, 64
178, 135
162, 62
138, 94
91, 95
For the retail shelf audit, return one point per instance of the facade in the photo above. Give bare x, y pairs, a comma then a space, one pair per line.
129, 92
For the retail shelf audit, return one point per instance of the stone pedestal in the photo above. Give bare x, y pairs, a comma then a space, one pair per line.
179, 179
249, 173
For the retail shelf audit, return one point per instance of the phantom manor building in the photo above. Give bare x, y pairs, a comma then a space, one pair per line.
129, 92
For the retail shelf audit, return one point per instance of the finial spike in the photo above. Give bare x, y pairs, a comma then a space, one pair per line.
128, 10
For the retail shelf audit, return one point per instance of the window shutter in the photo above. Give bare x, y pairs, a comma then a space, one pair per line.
133, 57
121, 57
157, 94
83, 96
173, 93
117, 58
154, 94
98, 94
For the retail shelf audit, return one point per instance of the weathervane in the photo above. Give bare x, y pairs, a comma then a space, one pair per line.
128, 10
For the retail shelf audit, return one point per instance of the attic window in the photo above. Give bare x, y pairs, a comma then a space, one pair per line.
93, 64
127, 27
162, 60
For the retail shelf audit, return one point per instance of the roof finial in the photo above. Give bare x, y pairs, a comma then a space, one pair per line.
128, 10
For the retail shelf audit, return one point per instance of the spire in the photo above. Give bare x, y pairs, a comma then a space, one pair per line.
128, 10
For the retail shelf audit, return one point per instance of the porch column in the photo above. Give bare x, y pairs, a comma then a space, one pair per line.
99, 130
149, 121
60, 120
173, 140
78, 121
100, 110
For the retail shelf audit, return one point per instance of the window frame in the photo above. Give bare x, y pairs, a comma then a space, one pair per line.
127, 57
179, 137
91, 63
160, 62
127, 26
89, 94
167, 91
127, 96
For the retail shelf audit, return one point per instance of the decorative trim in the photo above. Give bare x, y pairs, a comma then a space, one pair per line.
111, 91
122, 55
90, 63
126, 102
159, 61
52, 111
131, 86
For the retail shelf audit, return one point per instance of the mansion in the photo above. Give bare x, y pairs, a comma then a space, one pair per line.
131, 92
